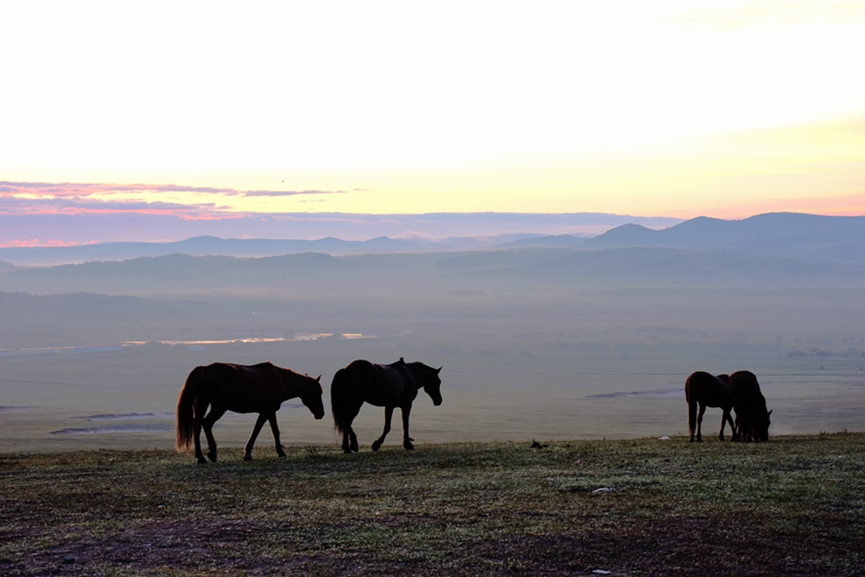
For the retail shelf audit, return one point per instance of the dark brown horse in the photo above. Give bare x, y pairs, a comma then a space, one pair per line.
752, 418
388, 386
704, 390
243, 389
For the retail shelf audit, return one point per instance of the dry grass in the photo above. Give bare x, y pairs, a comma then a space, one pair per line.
793, 506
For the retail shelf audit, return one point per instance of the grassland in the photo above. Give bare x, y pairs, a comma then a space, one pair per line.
793, 506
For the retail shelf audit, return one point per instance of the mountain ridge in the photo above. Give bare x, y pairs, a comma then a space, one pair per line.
800, 236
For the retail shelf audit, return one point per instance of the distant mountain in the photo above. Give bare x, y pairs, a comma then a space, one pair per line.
197, 246
559, 240
92, 228
213, 246
414, 275
838, 239
4, 266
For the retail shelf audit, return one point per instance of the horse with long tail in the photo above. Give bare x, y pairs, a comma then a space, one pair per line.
388, 386
260, 388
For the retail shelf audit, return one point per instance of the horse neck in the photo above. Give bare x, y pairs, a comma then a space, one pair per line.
415, 377
290, 384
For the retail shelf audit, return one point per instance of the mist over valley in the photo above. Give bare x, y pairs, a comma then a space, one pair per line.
536, 341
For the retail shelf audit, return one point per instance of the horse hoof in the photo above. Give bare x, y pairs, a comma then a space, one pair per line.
212, 456
347, 450
376, 446
408, 446
202, 461
283, 456
354, 447
691, 440
247, 457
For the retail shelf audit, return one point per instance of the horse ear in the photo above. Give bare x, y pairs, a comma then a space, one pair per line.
769, 413
438, 370
318, 378
402, 360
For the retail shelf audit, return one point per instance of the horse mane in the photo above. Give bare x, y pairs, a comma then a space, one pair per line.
265, 365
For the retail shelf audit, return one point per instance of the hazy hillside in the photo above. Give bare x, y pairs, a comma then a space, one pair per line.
200, 246
798, 236
459, 230
802, 236
405, 275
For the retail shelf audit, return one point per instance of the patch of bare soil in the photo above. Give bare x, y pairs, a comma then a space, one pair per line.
164, 546
666, 547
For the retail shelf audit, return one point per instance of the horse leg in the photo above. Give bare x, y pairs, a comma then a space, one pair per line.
200, 408
724, 419
275, 430
406, 440
748, 428
692, 418
207, 423
700, 423
198, 454
345, 446
388, 413
353, 443
349, 439
259, 423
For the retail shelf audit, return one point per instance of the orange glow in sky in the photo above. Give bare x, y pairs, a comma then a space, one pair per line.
674, 108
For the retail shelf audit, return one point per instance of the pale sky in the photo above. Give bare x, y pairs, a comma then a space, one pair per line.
662, 108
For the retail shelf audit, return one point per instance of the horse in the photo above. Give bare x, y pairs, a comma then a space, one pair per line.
224, 387
705, 390
752, 418
388, 386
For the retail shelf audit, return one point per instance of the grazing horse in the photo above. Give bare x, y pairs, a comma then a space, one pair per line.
224, 387
388, 386
705, 390
752, 418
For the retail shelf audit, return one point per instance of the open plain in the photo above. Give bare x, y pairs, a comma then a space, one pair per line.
792, 506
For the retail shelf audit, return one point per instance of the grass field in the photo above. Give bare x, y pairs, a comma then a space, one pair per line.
793, 506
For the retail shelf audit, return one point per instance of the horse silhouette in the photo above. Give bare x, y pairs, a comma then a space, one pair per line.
225, 387
388, 386
704, 390
752, 418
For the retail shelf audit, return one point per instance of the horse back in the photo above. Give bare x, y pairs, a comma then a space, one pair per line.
744, 388
707, 389
378, 385
242, 388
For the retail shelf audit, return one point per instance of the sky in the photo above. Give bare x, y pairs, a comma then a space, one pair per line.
209, 110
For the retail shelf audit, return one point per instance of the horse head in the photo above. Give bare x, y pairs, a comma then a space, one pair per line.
761, 426
310, 395
432, 384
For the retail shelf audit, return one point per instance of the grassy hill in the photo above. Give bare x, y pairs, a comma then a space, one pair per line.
792, 506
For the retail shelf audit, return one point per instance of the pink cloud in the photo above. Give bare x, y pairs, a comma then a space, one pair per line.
91, 198
36, 242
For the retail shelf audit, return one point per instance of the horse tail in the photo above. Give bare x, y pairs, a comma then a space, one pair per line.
692, 407
339, 392
187, 417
